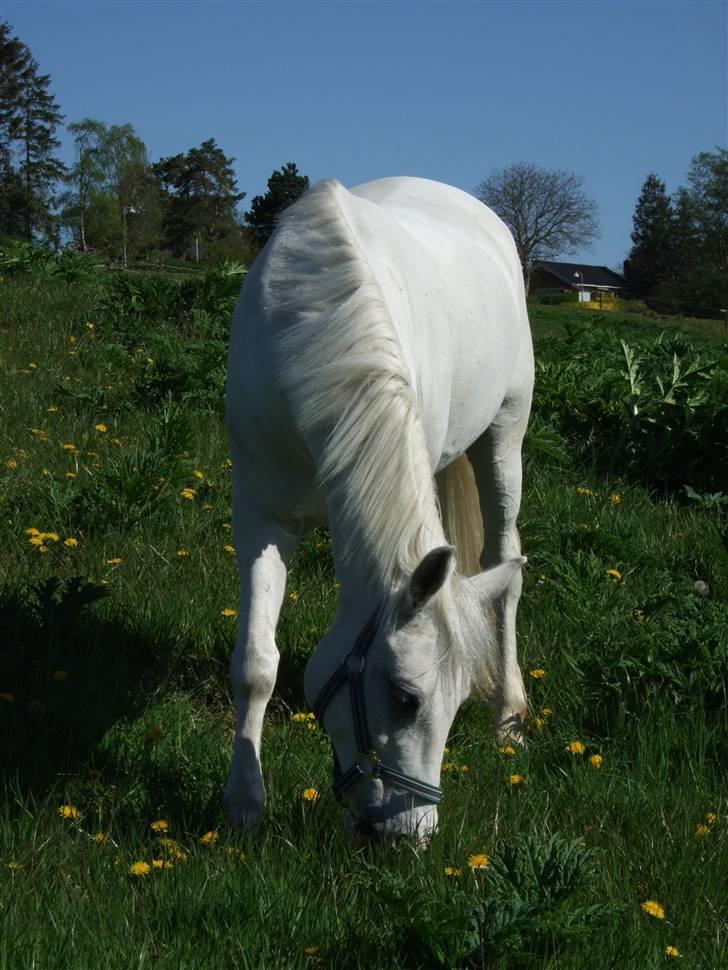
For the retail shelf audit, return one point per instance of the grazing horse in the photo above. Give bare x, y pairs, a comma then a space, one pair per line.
380, 379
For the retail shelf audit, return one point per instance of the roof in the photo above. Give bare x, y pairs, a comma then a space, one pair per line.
590, 275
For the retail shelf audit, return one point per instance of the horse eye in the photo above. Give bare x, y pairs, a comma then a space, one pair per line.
403, 698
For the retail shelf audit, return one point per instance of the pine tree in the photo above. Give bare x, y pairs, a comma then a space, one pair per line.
200, 196
652, 256
284, 187
16, 67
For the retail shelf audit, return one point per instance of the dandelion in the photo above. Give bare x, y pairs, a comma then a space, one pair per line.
453, 871
42, 548
68, 811
182, 552
14, 866
50, 536
478, 861
311, 950
70, 448
70, 474
140, 869
639, 614
538, 674
90, 326
302, 716
293, 596
198, 474
209, 838
546, 712
507, 749
615, 573
116, 561
161, 864
101, 427
310, 795
235, 853
70, 542
230, 549
672, 951
702, 829
585, 491
576, 747
60, 675
711, 818
447, 766
32, 365
188, 493
53, 409
228, 612
596, 761
161, 825
101, 838
11, 464
7, 697
615, 498
653, 908
517, 780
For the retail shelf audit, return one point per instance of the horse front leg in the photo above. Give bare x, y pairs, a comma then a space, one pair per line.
496, 461
263, 549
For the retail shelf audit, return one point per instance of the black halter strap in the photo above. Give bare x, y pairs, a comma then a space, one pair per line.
367, 763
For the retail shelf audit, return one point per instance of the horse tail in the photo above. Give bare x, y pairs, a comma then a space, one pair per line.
460, 510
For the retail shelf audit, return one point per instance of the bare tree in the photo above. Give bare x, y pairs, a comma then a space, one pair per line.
547, 211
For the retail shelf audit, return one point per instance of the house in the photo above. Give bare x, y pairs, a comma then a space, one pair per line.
591, 283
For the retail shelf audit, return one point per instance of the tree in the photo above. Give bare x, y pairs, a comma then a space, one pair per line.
547, 211
652, 258
200, 196
29, 117
284, 187
708, 193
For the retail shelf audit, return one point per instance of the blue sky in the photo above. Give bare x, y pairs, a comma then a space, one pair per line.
443, 90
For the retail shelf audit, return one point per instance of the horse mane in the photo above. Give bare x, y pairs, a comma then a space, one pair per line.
344, 372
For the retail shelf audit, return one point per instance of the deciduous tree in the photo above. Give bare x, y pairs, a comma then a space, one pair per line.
547, 211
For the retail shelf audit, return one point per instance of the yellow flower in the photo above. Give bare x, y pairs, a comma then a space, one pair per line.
140, 869
101, 427
702, 829
229, 612
51, 536
114, 562
653, 908
293, 596
209, 838
463, 769
453, 871
538, 673
585, 491
546, 712
42, 548
311, 950
32, 365
70, 542
188, 493
517, 780
101, 837
230, 549
576, 747
7, 697
478, 861
182, 552
35, 541
507, 749
198, 474
11, 464
90, 326
711, 818
237, 853
596, 761
32, 532
310, 795
161, 825
68, 811
672, 951
14, 866
615, 498
615, 573
162, 864
53, 409
301, 716
70, 447
447, 766
70, 474
60, 675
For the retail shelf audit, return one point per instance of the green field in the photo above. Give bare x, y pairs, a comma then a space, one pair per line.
117, 579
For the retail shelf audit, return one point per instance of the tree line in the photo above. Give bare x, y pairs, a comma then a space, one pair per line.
114, 199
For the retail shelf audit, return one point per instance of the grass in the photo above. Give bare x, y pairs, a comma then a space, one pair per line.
114, 700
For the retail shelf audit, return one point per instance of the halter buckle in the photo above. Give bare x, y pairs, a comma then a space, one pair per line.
372, 771
354, 663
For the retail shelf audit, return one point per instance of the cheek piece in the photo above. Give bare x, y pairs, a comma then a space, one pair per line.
367, 763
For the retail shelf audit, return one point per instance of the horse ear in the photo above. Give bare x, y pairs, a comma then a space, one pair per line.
430, 576
494, 582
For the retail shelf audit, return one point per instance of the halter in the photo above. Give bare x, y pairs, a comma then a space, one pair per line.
367, 763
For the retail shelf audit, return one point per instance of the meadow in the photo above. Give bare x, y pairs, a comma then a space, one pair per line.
601, 844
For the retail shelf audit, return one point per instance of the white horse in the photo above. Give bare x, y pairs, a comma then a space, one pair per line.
381, 354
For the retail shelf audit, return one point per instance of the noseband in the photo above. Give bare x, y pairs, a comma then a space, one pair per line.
367, 764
